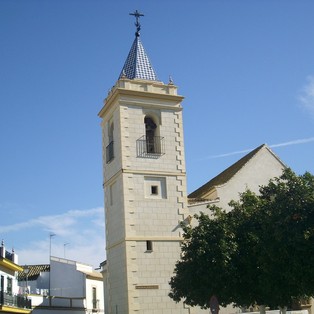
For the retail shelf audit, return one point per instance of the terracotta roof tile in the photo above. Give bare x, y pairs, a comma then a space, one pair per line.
34, 271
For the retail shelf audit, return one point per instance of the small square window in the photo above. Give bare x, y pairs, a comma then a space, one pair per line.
154, 189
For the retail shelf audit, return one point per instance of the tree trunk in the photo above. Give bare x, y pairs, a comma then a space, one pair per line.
283, 310
262, 309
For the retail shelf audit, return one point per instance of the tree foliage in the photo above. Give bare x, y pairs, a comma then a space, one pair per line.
260, 252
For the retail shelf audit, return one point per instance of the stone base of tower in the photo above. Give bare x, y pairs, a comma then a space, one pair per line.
150, 281
149, 273
115, 280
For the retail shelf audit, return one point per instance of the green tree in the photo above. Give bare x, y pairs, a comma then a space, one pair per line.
205, 266
287, 238
260, 252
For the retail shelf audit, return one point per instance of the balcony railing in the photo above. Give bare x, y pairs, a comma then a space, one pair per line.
150, 146
109, 152
19, 301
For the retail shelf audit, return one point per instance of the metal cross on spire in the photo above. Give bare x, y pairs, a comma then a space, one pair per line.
137, 23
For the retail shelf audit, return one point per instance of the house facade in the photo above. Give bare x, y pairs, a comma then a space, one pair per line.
34, 279
11, 299
63, 286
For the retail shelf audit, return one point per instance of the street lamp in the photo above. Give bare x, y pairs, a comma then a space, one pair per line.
51, 235
26, 270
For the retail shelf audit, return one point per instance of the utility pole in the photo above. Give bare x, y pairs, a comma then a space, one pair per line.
51, 235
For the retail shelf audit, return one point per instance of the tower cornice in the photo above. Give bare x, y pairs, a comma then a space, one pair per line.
138, 89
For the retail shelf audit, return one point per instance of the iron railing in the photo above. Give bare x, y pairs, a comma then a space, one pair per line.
9, 256
150, 146
19, 301
109, 152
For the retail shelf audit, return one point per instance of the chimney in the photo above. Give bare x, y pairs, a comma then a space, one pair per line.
2, 250
15, 258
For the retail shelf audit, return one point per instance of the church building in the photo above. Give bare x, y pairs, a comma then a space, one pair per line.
145, 188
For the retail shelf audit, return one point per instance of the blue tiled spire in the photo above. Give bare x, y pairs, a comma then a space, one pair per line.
137, 64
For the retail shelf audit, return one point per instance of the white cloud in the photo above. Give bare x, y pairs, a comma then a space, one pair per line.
54, 223
82, 230
306, 96
293, 142
228, 154
91, 252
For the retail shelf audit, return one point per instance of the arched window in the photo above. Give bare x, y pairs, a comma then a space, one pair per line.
109, 148
150, 132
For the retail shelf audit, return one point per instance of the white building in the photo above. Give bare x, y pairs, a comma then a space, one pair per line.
64, 286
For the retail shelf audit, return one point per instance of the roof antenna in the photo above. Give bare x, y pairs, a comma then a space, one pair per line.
137, 23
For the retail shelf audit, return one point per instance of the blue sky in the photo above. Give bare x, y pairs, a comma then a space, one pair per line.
246, 69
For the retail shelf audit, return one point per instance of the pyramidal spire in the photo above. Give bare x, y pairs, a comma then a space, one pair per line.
137, 64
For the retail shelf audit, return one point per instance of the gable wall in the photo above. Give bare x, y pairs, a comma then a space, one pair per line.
258, 171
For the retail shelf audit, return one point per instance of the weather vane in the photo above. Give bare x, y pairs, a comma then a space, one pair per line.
137, 23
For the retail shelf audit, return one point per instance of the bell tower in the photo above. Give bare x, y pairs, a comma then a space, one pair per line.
144, 187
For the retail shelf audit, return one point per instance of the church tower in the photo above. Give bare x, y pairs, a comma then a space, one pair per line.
144, 186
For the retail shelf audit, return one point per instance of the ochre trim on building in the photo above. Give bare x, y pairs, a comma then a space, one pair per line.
9, 309
9, 264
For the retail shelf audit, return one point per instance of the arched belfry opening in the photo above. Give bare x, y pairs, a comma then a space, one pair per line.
151, 144
150, 133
